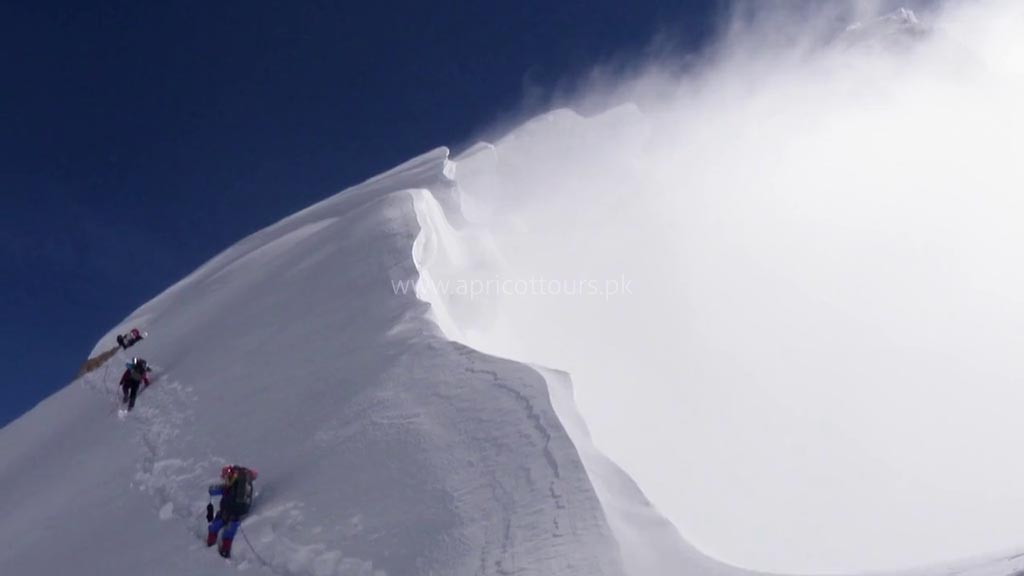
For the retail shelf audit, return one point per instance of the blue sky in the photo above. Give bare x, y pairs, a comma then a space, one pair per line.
141, 139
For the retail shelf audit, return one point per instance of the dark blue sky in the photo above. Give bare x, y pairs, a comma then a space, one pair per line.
139, 139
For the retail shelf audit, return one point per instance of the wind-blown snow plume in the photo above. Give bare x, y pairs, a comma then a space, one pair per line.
784, 282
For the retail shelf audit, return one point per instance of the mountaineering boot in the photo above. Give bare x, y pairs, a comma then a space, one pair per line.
225, 547
211, 538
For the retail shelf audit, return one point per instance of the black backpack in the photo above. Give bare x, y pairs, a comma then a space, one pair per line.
237, 499
138, 368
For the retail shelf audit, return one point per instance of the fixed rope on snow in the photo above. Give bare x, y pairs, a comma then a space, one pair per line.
255, 553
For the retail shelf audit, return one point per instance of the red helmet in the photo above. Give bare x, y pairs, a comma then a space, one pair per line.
229, 473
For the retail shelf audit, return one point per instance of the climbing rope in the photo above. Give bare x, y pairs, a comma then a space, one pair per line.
257, 554
103, 387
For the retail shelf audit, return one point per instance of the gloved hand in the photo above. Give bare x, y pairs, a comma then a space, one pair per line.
209, 512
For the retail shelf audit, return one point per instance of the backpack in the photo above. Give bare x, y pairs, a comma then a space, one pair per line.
137, 370
237, 499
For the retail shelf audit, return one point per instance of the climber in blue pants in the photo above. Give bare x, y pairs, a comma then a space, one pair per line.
229, 534
235, 491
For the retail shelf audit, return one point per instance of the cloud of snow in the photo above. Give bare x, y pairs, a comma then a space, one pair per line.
820, 365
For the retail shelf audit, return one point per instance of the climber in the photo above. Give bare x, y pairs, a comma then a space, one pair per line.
128, 340
134, 375
235, 491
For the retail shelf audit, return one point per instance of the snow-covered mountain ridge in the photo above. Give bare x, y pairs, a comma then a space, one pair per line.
382, 447
385, 444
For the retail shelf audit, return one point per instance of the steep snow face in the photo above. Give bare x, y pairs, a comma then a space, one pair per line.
383, 448
453, 264
385, 445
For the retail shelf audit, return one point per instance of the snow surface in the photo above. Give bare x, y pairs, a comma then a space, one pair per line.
382, 447
385, 444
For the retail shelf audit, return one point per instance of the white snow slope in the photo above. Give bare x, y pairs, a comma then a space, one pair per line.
382, 446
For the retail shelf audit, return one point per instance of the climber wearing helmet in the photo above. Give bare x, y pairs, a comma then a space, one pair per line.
235, 491
133, 376
128, 340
